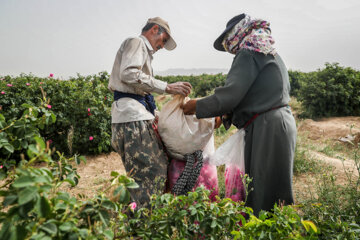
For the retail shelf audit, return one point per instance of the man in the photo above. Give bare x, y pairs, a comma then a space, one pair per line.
133, 109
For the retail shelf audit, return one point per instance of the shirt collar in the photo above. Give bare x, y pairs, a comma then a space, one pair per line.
148, 45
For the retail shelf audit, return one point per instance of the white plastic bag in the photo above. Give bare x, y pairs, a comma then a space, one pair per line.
231, 152
182, 133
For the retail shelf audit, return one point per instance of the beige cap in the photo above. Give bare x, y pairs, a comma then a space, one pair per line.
170, 44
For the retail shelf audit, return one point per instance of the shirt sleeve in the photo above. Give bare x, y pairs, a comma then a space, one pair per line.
133, 59
241, 76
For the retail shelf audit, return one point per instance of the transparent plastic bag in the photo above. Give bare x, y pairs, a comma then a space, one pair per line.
231, 153
208, 174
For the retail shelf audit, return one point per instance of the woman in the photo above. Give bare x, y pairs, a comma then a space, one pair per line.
256, 97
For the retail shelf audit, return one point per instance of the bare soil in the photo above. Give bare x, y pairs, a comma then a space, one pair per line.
328, 130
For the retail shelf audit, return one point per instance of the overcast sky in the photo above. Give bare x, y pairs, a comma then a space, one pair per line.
66, 37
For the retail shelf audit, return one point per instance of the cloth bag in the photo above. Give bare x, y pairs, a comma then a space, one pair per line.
231, 153
180, 133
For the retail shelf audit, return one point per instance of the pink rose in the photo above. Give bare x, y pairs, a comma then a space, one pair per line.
27, 84
2, 92
41, 82
132, 206
1, 166
49, 106
9, 85
91, 138
51, 75
88, 109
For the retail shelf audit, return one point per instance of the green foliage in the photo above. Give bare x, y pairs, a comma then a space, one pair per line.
203, 85
190, 217
295, 78
335, 208
304, 164
81, 105
36, 209
332, 91
19, 135
283, 223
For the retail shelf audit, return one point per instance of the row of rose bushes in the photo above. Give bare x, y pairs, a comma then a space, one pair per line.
82, 105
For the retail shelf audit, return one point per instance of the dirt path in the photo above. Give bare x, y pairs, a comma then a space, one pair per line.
340, 166
330, 128
95, 174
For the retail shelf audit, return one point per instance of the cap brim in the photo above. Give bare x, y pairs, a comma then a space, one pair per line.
170, 44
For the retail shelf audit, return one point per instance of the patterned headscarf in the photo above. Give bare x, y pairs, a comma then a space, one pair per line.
252, 34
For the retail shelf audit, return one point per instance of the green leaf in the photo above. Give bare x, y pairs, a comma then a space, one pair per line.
5, 230
132, 185
32, 149
114, 174
39, 236
104, 216
49, 228
70, 181
108, 205
109, 234
213, 224
42, 179
9, 200
26, 105
23, 181
9, 148
43, 207
20, 232
24, 144
121, 192
66, 227
77, 160
53, 117
40, 142
27, 194
82, 158
25, 209
309, 224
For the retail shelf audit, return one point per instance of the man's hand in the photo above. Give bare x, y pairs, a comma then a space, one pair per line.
182, 88
189, 107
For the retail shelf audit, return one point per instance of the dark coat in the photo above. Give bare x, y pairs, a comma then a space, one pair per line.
256, 83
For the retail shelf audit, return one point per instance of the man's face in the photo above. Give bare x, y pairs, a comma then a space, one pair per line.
158, 41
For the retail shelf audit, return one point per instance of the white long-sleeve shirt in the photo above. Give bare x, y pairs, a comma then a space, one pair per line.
132, 73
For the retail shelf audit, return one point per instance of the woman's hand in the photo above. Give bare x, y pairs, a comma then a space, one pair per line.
189, 107
217, 122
